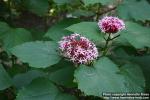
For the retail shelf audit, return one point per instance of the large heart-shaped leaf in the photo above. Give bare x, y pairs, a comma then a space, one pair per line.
13, 36
104, 2
62, 74
21, 80
79, 13
136, 35
139, 10
42, 89
144, 62
58, 30
87, 29
4, 27
101, 78
39, 7
61, 2
105, 76
5, 80
37, 54
132, 71
135, 81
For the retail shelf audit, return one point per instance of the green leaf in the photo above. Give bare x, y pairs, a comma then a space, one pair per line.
81, 12
5, 80
139, 10
134, 77
24, 79
103, 2
58, 30
133, 70
37, 33
4, 27
16, 69
63, 75
15, 37
11, 37
38, 54
87, 29
39, 7
137, 35
103, 77
121, 40
42, 89
144, 62
65, 97
61, 2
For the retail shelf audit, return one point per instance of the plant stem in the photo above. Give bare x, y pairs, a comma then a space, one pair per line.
106, 45
107, 42
115, 37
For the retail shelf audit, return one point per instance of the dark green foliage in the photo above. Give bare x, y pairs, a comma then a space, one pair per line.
32, 67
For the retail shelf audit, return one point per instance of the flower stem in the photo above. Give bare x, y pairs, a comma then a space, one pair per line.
106, 48
115, 37
106, 45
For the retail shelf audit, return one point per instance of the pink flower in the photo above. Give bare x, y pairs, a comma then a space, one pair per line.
78, 49
111, 24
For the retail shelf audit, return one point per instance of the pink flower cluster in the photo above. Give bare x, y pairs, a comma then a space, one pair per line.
111, 24
78, 49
